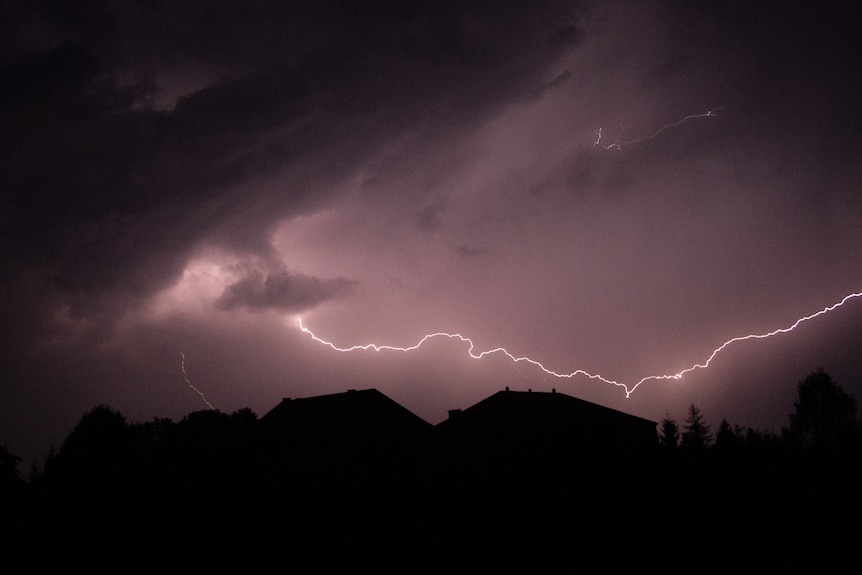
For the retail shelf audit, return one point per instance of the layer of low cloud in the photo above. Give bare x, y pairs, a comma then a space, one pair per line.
282, 290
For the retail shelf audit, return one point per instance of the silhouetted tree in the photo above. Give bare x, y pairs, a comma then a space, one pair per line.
727, 437
96, 452
201, 437
9, 472
34, 474
152, 445
152, 435
762, 439
695, 434
214, 449
669, 434
244, 424
825, 415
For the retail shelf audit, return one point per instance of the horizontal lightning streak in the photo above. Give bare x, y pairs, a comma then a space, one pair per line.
578, 372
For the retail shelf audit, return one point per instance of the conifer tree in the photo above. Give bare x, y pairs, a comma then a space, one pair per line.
695, 434
825, 415
669, 436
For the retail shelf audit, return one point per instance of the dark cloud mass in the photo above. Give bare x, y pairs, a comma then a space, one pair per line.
282, 291
541, 176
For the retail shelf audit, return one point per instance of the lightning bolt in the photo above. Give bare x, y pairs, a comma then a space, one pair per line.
619, 145
189, 383
579, 372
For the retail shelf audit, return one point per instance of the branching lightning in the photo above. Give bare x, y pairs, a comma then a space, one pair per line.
619, 145
189, 383
579, 372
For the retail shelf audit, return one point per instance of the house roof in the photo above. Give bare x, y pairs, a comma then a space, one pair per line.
547, 417
366, 432
365, 411
527, 404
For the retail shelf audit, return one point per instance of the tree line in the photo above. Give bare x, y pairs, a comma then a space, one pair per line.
824, 420
104, 449
211, 483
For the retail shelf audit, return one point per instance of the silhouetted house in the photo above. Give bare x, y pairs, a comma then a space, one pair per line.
511, 429
365, 438
355, 434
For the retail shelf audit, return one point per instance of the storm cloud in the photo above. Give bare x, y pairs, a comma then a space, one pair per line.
619, 187
282, 291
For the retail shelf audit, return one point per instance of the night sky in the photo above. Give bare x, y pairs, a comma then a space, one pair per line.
613, 187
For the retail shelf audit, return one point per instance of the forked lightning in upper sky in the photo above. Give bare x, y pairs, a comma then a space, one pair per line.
619, 145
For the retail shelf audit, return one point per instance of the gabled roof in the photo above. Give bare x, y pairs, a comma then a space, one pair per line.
529, 402
354, 434
353, 413
550, 417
